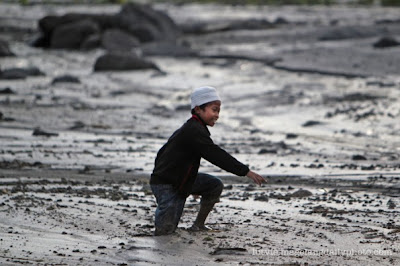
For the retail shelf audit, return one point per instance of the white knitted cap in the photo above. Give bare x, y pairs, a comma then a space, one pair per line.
204, 95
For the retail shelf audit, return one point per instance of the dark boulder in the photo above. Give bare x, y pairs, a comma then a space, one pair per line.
122, 62
66, 78
5, 49
81, 31
39, 132
116, 40
6, 91
20, 73
91, 42
311, 123
386, 42
358, 157
49, 24
72, 35
146, 23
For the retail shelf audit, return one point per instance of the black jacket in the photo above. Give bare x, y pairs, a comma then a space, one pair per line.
178, 161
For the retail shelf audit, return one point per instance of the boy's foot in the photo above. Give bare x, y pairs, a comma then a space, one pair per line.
162, 233
198, 228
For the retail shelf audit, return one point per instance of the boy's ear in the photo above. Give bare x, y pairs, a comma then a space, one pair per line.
197, 109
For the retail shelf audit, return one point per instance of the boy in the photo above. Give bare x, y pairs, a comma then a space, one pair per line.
175, 175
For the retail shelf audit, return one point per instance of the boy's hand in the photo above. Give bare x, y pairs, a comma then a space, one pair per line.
256, 178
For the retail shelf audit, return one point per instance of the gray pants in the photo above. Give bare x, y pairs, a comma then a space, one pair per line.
170, 203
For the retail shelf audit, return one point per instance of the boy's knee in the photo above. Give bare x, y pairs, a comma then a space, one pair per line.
214, 193
219, 186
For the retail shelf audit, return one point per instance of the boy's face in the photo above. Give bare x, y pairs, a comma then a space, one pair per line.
210, 114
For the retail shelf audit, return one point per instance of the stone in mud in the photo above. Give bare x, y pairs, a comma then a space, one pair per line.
66, 78
116, 40
311, 123
261, 198
265, 151
301, 193
291, 136
6, 91
358, 157
121, 62
77, 125
20, 73
386, 42
391, 204
281, 20
5, 49
72, 35
39, 132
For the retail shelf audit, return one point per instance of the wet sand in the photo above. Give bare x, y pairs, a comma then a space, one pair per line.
321, 123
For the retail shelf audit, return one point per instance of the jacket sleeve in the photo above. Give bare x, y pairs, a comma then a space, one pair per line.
218, 156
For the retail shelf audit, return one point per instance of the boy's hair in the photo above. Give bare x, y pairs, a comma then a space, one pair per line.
203, 106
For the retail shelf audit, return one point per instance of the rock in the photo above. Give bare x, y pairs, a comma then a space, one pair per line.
20, 73
72, 35
135, 23
6, 119
358, 157
5, 49
66, 78
147, 24
391, 204
6, 91
91, 42
301, 193
228, 187
77, 125
280, 20
265, 151
311, 123
116, 40
386, 42
39, 132
262, 198
121, 62
49, 24
291, 136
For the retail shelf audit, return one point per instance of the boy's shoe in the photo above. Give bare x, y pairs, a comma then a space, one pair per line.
162, 233
197, 228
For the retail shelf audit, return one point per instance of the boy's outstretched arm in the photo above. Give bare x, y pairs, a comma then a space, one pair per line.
256, 178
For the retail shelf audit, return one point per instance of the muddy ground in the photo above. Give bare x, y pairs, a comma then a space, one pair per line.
309, 103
